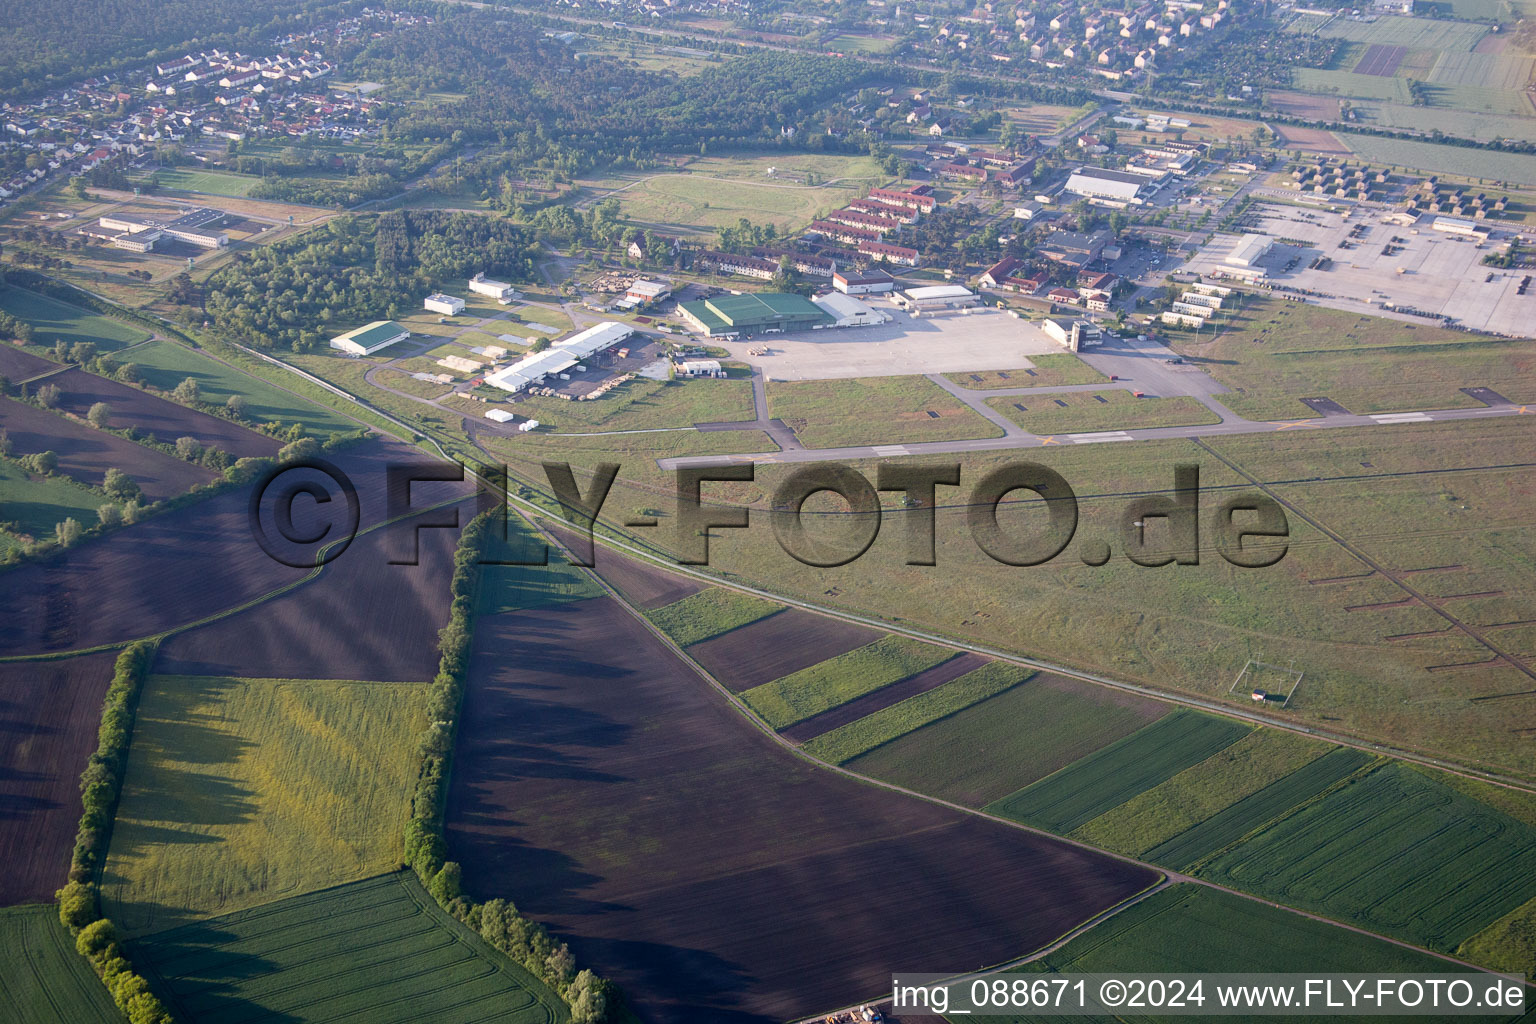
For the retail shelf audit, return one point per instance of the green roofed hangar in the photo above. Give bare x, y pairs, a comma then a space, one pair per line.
735, 316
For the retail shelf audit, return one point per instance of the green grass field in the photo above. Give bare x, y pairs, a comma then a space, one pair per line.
1192, 928
642, 404
718, 192
1509, 944
36, 504
378, 951
512, 579
240, 792
846, 742
1395, 852
838, 680
1367, 364
218, 183
1092, 785
42, 979
53, 321
1474, 164
1192, 796
708, 613
873, 410
1077, 411
164, 364
992, 748
1049, 370
1253, 810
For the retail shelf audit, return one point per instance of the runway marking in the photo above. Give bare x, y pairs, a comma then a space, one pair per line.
1402, 417
1298, 423
1101, 437
1048, 440
890, 449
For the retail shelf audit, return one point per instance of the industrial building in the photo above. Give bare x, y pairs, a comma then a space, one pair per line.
937, 297
747, 314
139, 234
846, 311
1072, 333
448, 305
498, 290
1250, 249
368, 339
1099, 183
642, 292
1461, 226
559, 357
862, 282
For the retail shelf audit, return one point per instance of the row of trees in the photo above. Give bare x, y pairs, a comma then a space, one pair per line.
498, 922
100, 785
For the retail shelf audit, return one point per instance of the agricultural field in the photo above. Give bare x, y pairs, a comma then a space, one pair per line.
881, 700
873, 410
709, 613
1047, 370
165, 364
1305, 350
1190, 799
1193, 928
943, 698
337, 956
197, 562
1108, 777
642, 585
1477, 165
53, 321
642, 404
993, 748
1074, 411
33, 505
329, 627
50, 711
582, 735
1413, 33
821, 687
778, 646
1254, 810
157, 417
85, 453
241, 792
42, 979
1393, 851
17, 365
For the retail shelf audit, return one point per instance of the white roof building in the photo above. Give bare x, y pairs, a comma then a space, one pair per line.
559, 357
440, 303
1249, 250
847, 311
499, 415
498, 290
1097, 182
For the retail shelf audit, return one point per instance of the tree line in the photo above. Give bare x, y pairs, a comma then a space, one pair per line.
591, 999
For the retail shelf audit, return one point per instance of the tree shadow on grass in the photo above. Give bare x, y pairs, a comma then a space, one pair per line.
191, 970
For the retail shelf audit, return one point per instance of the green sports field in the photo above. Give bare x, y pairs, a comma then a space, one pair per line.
378, 951
218, 183
42, 979
53, 321
1088, 787
244, 791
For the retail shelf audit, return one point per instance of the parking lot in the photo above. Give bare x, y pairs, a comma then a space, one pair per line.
983, 339
1426, 270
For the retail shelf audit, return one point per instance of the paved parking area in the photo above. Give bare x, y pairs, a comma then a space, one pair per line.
1440, 273
984, 339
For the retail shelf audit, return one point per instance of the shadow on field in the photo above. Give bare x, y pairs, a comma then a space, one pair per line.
713, 981
189, 969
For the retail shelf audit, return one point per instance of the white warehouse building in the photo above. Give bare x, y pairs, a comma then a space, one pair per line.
1098, 183
847, 311
440, 303
936, 297
559, 357
498, 290
1250, 249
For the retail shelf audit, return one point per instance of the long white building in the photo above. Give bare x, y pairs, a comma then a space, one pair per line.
1098, 183
559, 357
